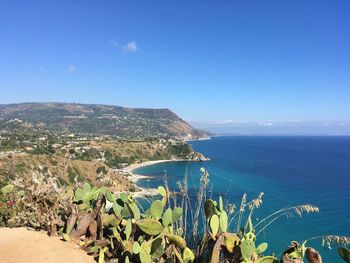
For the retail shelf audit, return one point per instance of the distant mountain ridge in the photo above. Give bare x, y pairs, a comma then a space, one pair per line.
96, 119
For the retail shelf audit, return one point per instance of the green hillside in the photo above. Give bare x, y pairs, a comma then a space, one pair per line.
96, 119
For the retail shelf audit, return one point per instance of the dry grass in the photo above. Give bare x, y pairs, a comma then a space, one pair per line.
59, 167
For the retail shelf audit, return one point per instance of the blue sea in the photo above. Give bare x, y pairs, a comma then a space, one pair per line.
290, 170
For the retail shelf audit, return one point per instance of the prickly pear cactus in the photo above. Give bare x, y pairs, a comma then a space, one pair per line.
150, 226
157, 209
162, 191
298, 250
221, 204
209, 208
177, 240
85, 195
145, 252
344, 253
247, 249
214, 225
223, 221
167, 217
267, 259
7, 189
134, 210
261, 248
176, 215
231, 240
188, 255
128, 229
157, 248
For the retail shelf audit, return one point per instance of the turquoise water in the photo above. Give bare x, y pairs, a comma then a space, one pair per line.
289, 170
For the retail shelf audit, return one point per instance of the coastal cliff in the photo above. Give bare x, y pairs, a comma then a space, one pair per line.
97, 120
77, 160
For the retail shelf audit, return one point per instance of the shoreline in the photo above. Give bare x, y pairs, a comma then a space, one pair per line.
134, 177
135, 166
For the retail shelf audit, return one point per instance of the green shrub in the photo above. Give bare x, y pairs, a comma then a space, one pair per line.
71, 174
8, 203
101, 169
53, 162
20, 168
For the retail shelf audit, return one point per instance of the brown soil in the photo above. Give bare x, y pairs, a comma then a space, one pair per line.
21, 245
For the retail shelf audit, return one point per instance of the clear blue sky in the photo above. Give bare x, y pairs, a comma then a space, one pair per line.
206, 60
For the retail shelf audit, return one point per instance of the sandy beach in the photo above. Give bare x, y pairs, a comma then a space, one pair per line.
135, 177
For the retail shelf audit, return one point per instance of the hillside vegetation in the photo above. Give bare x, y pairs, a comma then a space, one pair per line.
96, 119
73, 161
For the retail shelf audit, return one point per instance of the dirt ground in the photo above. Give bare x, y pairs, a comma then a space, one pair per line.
19, 245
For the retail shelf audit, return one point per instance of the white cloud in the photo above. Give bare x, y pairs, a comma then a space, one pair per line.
227, 121
130, 47
72, 69
223, 122
265, 123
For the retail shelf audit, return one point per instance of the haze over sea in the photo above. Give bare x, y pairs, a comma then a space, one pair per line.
289, 170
